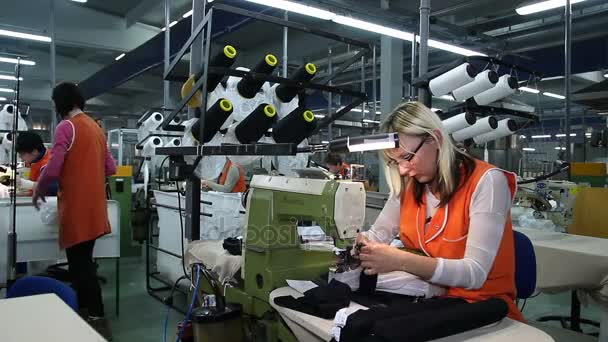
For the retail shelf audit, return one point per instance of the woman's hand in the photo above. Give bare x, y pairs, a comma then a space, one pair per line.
381, 258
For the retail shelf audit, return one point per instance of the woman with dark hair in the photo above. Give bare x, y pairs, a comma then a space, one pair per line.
80, 161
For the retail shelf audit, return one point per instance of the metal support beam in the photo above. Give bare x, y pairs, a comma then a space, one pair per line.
424, 95
167, 58
568, 74
53, 54
136, 13
391, 82
413, 73
330, 99
285, 44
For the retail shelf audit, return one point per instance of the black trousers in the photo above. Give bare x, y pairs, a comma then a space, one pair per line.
83, 273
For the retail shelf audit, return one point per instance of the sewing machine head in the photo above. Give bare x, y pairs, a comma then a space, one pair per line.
276, 206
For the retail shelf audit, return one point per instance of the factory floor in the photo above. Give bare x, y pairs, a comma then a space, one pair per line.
142, 317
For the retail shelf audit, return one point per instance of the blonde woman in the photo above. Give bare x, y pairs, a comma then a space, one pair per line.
452, 208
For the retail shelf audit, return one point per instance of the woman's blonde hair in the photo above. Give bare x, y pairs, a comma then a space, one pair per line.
415, 119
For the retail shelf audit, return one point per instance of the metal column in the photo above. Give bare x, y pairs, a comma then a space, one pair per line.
52, 76
374, 86
567, 74
423, 63
330, 95
391, 82
193, 185
413, 68
167, 84
285, 45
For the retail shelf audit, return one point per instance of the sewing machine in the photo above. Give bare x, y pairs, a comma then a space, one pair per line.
273, 250
551, 199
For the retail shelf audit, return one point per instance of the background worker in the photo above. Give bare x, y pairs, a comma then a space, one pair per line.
32, 151
337, 166
80, 161
452, 208
232, 179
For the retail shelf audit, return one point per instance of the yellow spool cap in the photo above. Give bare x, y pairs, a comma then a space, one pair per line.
225, 105
229, 51
196, 100
309, 116
271, 59
311, 68
270, 111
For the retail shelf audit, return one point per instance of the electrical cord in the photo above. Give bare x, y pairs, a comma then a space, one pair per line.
169, 301
160, 169
181, 226
189, 313
545, 176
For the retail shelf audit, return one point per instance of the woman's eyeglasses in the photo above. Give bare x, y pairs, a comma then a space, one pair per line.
409, 156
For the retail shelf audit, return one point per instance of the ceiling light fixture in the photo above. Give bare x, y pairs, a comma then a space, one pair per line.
6, 90
543, 136
297, 8
560, 148
606, 75
319, 116
173, 23
22, 35
81, 1
557, 96
529, 90
529, 149
187, 14
119, 56
10, 78
371, 121
562, 135
2, 98
543, 6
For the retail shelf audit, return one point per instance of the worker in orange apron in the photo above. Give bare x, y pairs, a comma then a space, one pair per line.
451, 208
80, 161
32, 151
232, 179
337, 166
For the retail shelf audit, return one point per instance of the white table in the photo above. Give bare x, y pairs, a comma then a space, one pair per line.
43, 318
308, 328
566, 262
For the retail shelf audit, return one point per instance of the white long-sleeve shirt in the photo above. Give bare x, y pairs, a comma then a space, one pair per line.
488, 214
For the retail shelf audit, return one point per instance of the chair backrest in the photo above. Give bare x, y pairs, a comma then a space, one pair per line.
525, 266
35, 285
589, 215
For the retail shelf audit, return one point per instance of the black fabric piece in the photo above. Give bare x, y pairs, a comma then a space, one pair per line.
381, 299
367, 284
83, 273
322, 301
450, 320
234, 246
360, 323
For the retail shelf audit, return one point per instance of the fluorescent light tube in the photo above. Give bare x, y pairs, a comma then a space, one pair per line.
557, 96
10, 78
324, 142
319, 116
15, 61
529, 149
297, 8
452, 48
522, 136
367, 26
173, 23
562, 135
371, 121
560, 148
22, 35
6, 90
544, 136
187, 14
81, 1
543, 6
2, 98
529, 90
119, 56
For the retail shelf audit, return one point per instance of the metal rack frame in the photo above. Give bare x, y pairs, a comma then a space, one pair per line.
193, 184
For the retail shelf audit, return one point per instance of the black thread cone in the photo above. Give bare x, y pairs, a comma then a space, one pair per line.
214, 119
305, 73
253, 127
247, 86
295, 127
224, 58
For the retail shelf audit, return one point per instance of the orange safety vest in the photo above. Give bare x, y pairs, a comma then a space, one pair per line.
37, 167
446, 237
240, 184
344, 170
81, 201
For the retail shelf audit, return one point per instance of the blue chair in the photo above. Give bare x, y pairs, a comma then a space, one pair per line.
525, 266
35, 285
